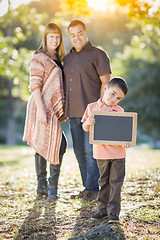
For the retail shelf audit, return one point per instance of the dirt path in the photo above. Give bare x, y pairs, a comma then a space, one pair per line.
23, 216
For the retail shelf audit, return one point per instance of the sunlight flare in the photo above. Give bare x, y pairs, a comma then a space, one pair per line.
100, 5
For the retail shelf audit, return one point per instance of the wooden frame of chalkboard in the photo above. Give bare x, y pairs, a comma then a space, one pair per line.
113, 128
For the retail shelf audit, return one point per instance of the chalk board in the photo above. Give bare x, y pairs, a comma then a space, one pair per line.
113, 128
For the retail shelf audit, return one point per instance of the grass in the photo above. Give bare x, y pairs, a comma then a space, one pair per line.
23, 216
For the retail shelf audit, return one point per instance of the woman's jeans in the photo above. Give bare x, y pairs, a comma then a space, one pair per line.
84, 154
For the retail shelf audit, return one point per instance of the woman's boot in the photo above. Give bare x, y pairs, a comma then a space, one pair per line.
55, 171
53, 179
40, 164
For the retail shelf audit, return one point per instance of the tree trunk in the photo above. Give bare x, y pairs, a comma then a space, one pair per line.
154, 137
11, 138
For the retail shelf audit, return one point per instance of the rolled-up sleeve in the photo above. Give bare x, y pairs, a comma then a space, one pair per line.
86, 114
36, 75
102, 63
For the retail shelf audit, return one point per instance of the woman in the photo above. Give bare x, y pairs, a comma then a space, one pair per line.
45, 110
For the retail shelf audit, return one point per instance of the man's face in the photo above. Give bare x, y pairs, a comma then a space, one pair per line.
78, 37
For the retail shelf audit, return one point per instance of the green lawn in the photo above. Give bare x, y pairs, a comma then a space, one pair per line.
21, 156
23, 216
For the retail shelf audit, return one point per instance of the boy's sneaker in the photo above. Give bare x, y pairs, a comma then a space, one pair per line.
99, 215
113, 218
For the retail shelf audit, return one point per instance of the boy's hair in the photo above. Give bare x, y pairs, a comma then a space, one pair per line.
122, 84
74, 23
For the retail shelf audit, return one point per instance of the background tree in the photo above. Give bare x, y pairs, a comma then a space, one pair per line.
109, 30
48, 7
140, 63
71, 9
131, 40
15, 59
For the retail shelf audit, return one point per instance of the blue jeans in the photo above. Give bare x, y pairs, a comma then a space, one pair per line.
84, 154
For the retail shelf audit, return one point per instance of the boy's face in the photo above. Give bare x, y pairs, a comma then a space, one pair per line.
112, 95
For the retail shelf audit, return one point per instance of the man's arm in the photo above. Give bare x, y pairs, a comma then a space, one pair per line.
104, 79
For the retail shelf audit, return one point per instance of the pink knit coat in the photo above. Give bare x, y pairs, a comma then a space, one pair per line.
45, 138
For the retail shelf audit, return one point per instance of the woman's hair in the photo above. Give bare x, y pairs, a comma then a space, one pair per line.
122, 84
53, 28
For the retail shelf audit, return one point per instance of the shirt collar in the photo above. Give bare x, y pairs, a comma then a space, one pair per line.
87, 47
101, 105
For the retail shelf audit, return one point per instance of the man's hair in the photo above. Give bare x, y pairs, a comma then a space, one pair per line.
122, 84
74, 23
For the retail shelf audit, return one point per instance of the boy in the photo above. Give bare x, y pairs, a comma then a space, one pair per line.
110, 158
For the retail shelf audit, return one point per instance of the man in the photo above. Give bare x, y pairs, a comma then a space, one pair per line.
87, 70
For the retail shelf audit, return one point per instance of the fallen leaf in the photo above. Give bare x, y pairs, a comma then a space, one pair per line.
34, 220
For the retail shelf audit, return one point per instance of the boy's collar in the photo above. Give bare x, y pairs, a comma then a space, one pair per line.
103, 104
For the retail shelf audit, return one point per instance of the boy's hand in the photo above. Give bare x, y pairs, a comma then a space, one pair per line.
90, 120
127, 145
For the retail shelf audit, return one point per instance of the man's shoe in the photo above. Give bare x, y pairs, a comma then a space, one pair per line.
89, 196
99, 215
81, 194
113, 218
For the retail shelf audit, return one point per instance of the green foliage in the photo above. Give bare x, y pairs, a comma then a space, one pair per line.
46, 6
110, 32
14, 63
142, 75
19, 28
71, 9
15, 59
140, 64
22, 24
16, 32
145, 15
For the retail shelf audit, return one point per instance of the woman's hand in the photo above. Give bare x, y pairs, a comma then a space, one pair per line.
62, 119
41, 116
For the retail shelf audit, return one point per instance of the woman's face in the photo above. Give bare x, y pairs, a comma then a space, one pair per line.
53, 41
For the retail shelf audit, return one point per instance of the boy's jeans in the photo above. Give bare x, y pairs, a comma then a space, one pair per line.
84, 154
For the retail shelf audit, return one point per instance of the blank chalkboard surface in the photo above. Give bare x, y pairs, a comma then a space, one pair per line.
113, 128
